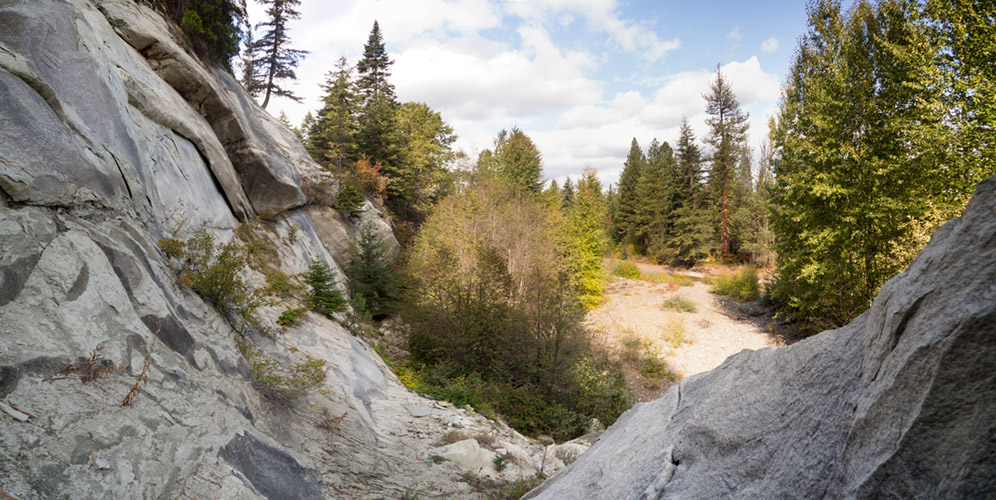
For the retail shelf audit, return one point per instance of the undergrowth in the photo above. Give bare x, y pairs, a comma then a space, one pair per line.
277, 382
742, 285
680, 304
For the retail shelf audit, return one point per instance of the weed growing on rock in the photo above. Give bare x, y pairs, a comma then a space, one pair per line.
279, 383
679, 303
332, 424
213, 271
141, 379
90, 369
412, 493
290, 316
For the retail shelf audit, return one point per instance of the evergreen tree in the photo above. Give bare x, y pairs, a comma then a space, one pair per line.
568, 193
374, 69
514, 159
213, 27
377, 133
332, 138
693, 232
324, 297
628, 200
371, 276
584, 239
277, 60
252, 80
727, 133
657, 200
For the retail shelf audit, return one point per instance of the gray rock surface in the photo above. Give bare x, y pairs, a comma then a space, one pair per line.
900, 403
113, 138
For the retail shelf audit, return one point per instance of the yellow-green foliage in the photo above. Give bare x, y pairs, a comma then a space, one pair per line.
674, 331
742, 285
627, 269
214, 272
679, 303
277, 382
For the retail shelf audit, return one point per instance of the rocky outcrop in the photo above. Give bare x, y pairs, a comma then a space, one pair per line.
900, 403
114, 137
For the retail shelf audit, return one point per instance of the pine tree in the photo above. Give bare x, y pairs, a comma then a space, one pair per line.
568, 193
861, 161
691, 240
213, 27
657, 200
277, 60
252, 80
625, 215
371, 277
332, 138
727, 132
377, 133
324, 297
374, 69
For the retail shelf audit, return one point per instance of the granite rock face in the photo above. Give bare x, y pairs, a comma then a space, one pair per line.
900, 403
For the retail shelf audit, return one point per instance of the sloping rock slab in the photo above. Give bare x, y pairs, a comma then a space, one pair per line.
272, 471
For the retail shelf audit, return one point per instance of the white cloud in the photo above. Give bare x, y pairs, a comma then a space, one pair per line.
735, 34
600, 16
770, 45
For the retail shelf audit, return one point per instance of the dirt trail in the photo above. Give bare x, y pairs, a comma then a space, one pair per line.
633, 322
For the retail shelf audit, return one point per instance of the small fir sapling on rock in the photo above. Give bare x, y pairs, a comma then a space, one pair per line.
324, 297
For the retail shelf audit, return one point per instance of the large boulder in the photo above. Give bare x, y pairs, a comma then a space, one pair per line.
900, 403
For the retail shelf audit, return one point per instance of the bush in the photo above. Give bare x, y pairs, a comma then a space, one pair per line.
290, 316
324, 297
742, 285
627, 269
277, 382
214, 272
674, 332
679, 303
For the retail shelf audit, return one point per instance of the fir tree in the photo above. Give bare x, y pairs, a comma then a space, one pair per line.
425, 150
657, 201
277, 60
691, 240
568, 193
374, 69
584, 241
727, 132
371, 277
332, 138
626, 206
252, 80
324, 297
377, 133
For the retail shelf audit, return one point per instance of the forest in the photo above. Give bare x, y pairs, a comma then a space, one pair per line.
884, 127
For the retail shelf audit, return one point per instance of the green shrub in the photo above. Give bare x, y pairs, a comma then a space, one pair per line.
277, 382
214, 272
282, 285
500, 462
742, 285
654, 367
290, 316
679, 303
324, 297
674, 332
627, 269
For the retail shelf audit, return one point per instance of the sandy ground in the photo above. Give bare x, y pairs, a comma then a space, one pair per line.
633, 323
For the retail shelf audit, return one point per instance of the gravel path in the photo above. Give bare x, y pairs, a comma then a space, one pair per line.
633, 322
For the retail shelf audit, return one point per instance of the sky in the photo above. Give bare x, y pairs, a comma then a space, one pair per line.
581, 77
